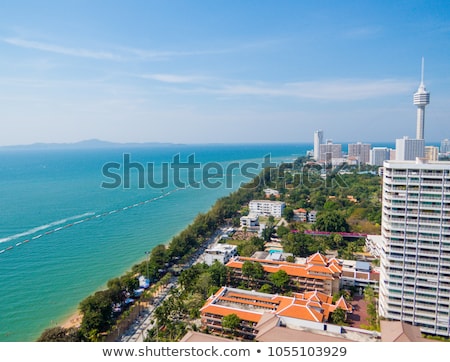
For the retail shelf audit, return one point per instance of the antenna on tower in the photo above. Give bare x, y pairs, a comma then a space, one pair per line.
423, 67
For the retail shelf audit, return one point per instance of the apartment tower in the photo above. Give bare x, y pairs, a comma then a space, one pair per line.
415, 257
318, 140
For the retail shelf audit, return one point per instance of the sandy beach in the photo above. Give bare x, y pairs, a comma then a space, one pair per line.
73, 321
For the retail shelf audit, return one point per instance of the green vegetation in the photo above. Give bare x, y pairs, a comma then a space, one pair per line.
230, 323
349, 202
97, 309
177, 314
370, 298
339, 316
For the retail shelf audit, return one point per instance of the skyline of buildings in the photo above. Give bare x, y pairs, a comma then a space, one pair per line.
415, 226
406, 148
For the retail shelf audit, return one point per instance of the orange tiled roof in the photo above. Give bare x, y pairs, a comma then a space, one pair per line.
292, 269
317, 258
302, 312
341, 303
319, 296
313, 306
300, 210
224, 311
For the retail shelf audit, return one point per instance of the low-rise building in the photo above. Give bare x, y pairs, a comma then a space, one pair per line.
310, 310
359, 274
271, 192
316, 273
220, 252
312, 216
300, 215
266, 208
249, 221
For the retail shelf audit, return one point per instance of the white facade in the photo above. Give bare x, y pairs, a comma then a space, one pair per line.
378, 155
221, 252
249, 221
271, 192
373, 245
415, 250
312, 216
318, 140
408, 149
266, 208
359, 274
432, 153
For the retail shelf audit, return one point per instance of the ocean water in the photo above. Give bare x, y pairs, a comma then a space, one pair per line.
63, 235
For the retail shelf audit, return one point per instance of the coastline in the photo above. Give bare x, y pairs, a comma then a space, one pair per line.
74, 321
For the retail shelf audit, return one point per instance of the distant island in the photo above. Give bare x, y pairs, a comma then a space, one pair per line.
86, 144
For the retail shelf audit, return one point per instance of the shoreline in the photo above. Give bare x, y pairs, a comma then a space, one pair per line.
73, 321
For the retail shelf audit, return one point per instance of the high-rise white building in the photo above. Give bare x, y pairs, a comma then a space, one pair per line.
415, 245
330, 150
407, 149
361, 151
421, 99
445, 146
318, 140
432, 153
378, 155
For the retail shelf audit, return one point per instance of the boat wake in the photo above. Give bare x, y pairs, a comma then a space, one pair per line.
44, 227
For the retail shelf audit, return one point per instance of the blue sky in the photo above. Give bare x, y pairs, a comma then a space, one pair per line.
221, 71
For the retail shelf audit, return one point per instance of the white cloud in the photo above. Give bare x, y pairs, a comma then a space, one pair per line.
78, 52
174, 78
363, 32
341, 89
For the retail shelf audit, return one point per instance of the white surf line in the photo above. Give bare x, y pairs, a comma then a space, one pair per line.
43, 227
59, 222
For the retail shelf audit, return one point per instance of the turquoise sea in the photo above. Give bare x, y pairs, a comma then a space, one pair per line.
63, 236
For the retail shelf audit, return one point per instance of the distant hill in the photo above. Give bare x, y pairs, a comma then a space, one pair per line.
86, 144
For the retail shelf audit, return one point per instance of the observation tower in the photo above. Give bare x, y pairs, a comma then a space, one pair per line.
421, 99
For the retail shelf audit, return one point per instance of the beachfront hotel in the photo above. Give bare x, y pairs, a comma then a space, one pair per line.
309, 310
316, 273
415, 245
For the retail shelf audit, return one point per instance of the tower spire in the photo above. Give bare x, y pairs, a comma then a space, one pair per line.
423, 69
421, 100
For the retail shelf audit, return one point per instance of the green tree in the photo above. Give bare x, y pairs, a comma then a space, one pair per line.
288, 214
230, 323
97, 314
266, 288
59, 334
280, 279
331, 221
338, 316
253, 271
218, 273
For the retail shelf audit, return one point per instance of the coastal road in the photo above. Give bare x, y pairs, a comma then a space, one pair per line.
137, 331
